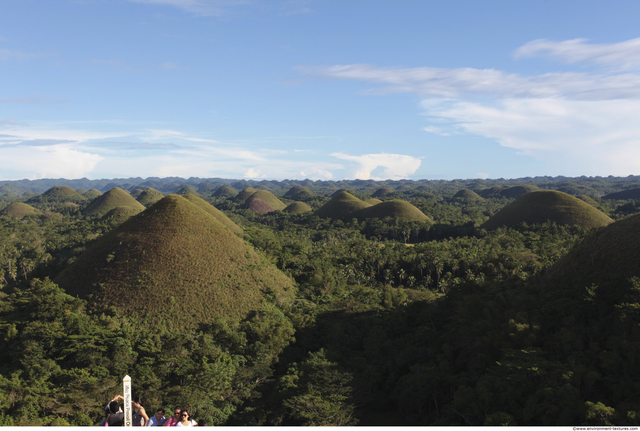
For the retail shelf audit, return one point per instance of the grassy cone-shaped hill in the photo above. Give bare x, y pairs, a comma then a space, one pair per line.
467, 195
373, 201
92, 194
174, 265
623, 195
394, 208
58, 195
608, 254
115, 197
269, 198
382, 192
19, 210
219, 215
120, 214
149, 197
225, 192
548, 205
341, 205
337, 192
244, 195
297, 208
258, 206
299, 193
516, 192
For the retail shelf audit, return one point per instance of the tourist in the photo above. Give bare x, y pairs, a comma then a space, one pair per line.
186, 420
157, 420
173, 420
138, 415
115, 416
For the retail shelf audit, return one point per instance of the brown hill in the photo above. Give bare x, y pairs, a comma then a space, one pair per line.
382, 192
548, 205
259, 206
149, 197
174, 265
394, 208
267, 197
244, 195
120, 214
115, 197
219, 215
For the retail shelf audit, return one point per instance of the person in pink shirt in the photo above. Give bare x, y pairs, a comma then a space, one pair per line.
173, 420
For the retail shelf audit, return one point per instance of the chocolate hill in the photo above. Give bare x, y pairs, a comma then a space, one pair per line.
58, 195
244, 195
258, 206
219, 215
548, 205
624, 195
92, 194
297, 208
608, 254
341, 205
382, 192
120, 214
174, 265
149, 197
267, 197
373, 201
114, 198
225, 192
299, 193
395, 208
467, 195
19, 210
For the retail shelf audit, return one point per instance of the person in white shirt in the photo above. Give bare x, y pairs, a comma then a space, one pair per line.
157, 420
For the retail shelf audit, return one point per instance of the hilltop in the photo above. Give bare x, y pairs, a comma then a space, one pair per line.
219, 215
297, 208
114, 198
341, 205
176, 265
267, 197
58, 195
242, 197
149, 197
548, 205
467, 195
225, 192
394, 208
608, 254
299, 193
19, 210
258, 206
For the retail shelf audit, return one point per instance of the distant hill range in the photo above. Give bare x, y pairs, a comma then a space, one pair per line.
176, 265
548, 205
624, 195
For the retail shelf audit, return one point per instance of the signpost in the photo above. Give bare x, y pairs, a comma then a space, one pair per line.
126, 389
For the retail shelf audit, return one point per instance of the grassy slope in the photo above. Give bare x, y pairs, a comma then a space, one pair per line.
625, 194
468, 195
149, 197
225, 192
244, 195
269, 198
258, 206
394, 208
174, 264
58, 194
219, 215
298, 208
299, 193
19, 210
608, 254
545, 205
341, 205
116, 197
92, 194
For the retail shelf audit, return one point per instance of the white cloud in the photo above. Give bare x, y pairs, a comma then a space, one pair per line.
53, 161
621, 55
397, 166
199, 7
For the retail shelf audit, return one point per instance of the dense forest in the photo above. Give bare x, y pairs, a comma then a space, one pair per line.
473, 305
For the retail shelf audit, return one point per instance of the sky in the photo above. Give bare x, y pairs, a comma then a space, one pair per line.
319, 89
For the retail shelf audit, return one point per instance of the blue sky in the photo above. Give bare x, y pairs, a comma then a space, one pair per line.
319, 89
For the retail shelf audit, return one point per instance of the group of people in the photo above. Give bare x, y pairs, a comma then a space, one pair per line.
115, 416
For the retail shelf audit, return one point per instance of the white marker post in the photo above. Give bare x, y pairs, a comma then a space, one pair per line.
126, 389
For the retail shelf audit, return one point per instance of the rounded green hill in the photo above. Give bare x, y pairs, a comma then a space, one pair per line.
548, 205
19, 210
225, 192
373, 201
58, 195
267, 197
174, 265
395, 208
297, 208
120, 214
382, 192
516, 192
219, 215
92, 194
341, 205
467, 195
116, 197
624, 195
149, 197
244, 195
299, 193
608, 254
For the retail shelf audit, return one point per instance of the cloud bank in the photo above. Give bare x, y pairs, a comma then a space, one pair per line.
584, 122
